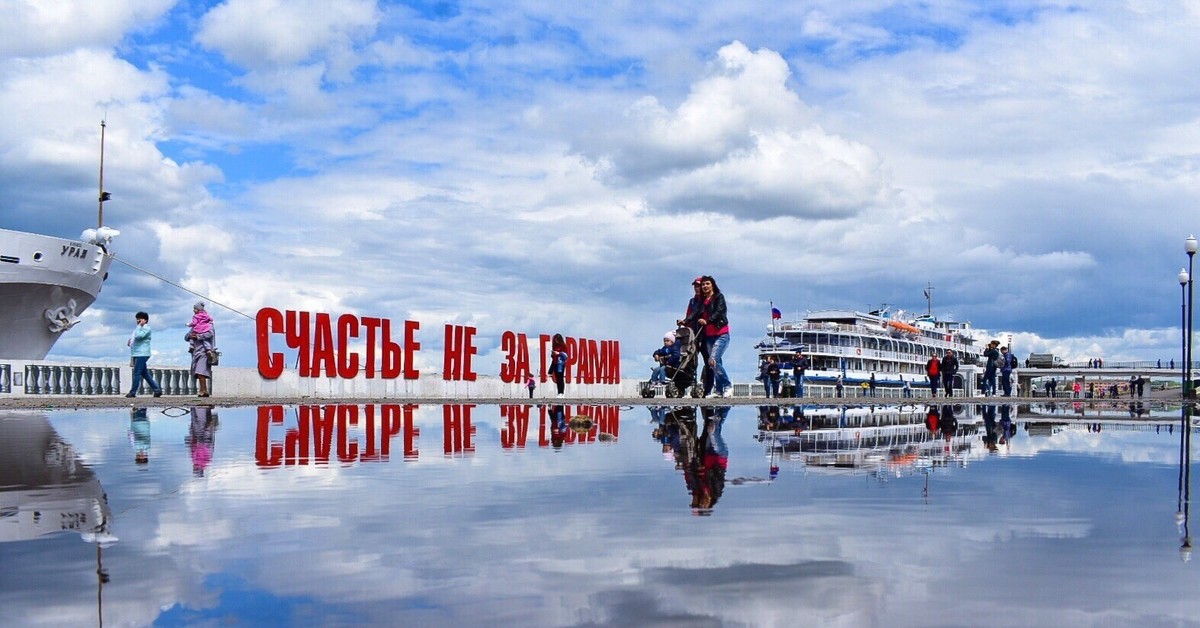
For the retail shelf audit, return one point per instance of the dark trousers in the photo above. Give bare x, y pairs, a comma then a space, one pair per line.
560, 382
140, 373
933, 385
1006, 382
948, 384
707, 377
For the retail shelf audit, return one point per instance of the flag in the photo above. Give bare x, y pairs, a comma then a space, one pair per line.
776, 314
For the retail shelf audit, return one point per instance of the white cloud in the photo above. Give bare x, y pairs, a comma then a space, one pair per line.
741, 143
261, 34
34, 27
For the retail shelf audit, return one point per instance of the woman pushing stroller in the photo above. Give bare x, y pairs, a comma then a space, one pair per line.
707, 313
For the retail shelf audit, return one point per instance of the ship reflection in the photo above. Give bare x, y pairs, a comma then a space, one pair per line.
44, 487
879, 439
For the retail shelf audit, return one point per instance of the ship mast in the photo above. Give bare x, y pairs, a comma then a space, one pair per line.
929, 299
104, 196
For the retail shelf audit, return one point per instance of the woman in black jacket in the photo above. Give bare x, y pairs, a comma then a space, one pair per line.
712, 316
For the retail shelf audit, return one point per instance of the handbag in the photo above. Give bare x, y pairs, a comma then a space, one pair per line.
214, 354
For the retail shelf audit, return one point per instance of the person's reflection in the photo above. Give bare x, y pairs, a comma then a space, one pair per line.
558, 426
692, 455
768, 418
800, 421
658, 416
201, 438
990, 429
705, 472
931, 420
948, 422
1007, 429
139, 435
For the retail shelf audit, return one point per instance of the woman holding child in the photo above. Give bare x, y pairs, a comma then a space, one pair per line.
201, 342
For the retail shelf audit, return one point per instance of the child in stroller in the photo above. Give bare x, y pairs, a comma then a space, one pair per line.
677, 365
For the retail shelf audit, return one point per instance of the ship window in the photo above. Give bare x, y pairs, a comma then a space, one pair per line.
37, 256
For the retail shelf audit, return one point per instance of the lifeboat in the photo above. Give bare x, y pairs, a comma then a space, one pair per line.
902, 326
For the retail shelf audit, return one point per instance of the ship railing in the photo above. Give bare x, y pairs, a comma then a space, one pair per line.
852, 351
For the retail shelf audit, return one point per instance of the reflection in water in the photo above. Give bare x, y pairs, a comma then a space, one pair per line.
201, 438
352, 433
461, 539
1184, 502
700, 452
44, 487
876, 439
348, 433
139, 435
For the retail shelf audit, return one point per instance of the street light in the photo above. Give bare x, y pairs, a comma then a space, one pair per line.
1189, 245
1184, 278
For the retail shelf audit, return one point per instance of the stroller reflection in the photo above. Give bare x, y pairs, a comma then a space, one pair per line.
681, 378
700, 453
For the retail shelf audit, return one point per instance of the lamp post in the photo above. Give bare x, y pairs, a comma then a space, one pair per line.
1190, 246
1184, 278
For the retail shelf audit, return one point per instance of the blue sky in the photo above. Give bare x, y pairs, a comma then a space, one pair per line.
546, 168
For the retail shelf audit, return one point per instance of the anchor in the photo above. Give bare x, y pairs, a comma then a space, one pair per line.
62, 318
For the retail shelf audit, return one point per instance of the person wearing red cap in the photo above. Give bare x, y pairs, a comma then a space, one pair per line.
694, 307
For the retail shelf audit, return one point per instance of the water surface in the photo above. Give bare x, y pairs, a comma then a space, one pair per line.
495, 515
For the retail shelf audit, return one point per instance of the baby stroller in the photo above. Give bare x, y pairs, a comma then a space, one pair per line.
683, 377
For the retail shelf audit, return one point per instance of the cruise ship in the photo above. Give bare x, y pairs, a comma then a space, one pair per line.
855, 345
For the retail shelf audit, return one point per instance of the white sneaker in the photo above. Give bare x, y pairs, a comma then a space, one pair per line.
713, 395
728, 394
560, 396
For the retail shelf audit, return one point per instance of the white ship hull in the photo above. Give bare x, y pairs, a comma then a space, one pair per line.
45, 284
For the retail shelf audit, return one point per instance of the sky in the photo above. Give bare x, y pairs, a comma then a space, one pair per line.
564, 167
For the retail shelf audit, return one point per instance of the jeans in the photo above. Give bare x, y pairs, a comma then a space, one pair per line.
716, 441
140, 372
989, 382
800, 385
1006, 382
716, 349
948, 384
659, 376
933, 385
